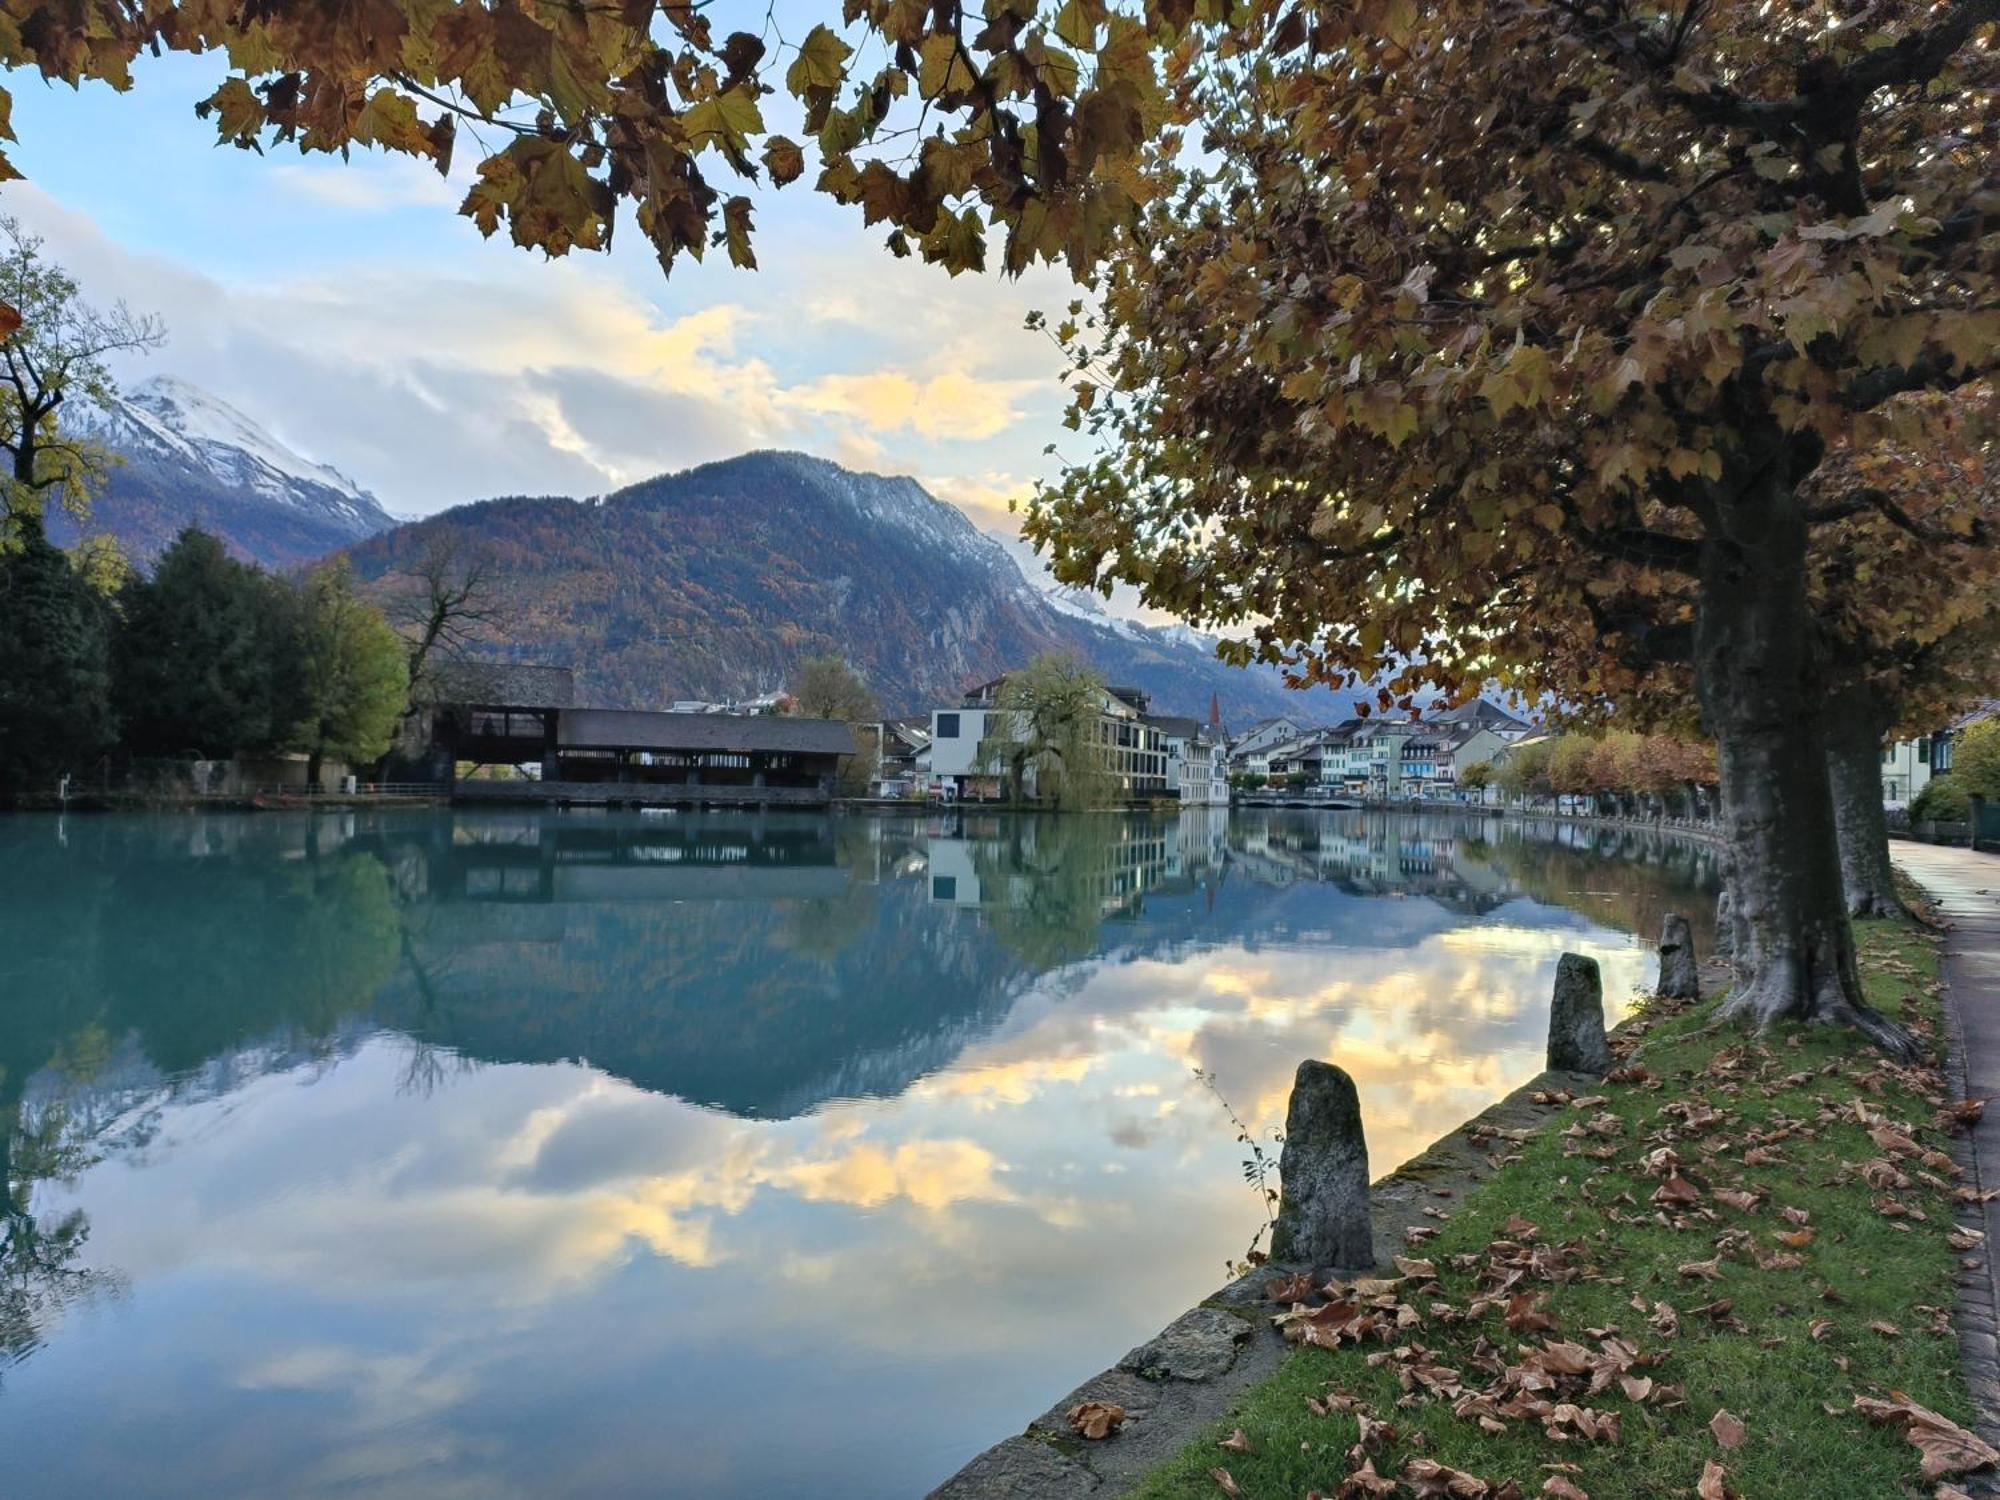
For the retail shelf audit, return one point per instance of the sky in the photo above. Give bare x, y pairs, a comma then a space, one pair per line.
353, 312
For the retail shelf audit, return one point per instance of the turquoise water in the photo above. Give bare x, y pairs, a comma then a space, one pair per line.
432, 1154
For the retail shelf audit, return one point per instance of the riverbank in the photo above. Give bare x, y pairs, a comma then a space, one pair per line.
1794, 1249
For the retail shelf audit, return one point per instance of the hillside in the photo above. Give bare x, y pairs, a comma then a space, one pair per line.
716, 582
186, 457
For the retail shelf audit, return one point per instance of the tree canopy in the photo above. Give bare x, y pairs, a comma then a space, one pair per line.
826, 687
200, 659
1048, 730
55, 683
1464, 305
942, 123
353, 676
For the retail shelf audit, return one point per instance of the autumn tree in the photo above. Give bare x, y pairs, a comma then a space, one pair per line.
1904, 590
1460, 302
826, 687
352, 680
943, 124
53, 352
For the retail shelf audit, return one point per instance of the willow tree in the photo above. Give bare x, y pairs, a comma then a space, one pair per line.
1048, 727
1460, 304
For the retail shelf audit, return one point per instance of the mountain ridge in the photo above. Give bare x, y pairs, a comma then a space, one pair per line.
711, 582
187, 458
716, 581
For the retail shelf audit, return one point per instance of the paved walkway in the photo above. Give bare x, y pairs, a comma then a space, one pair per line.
1966, 887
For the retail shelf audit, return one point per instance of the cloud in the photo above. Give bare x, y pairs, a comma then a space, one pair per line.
951, 405
372, 187
436, 379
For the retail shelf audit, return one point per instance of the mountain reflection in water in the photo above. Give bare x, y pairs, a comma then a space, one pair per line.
427, 1153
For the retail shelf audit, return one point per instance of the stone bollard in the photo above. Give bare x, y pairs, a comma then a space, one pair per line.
1678, 977
1576, 1019
1323, 1216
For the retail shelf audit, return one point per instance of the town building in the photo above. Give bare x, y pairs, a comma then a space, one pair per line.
903, 760
1197, 761
963, 762
1250, 751
1906, 770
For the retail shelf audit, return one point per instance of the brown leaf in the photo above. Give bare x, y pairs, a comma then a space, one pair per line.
1526, 1314
1236, 1442
1228, 1482
1562, 1489
1298, 1287
1096, 1419
1946, 1448
1714, 1483
1364, 1484
1728, 1428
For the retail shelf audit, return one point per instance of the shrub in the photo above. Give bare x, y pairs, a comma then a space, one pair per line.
1943, 800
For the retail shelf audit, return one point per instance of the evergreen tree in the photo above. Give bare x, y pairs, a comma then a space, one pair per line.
55, 681
353, 678
199, 655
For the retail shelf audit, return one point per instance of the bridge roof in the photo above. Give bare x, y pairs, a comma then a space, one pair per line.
632, 729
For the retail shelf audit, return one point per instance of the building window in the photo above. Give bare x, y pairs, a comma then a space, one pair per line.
944, 887
947, 726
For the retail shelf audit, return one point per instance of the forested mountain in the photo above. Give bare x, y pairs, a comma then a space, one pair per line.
717, 581
186, 457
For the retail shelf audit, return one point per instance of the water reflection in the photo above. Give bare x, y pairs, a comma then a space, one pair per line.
588, 1155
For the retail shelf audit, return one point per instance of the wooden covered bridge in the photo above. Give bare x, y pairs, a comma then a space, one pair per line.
494, 715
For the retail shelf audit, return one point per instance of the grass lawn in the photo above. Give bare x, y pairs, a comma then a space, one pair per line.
1590, 1237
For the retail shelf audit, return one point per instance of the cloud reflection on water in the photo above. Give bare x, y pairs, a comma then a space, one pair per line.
998, 1175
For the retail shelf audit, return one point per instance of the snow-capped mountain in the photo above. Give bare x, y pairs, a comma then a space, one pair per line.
188, 457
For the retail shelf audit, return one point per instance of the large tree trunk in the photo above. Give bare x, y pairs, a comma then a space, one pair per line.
1854, 729
1760, 696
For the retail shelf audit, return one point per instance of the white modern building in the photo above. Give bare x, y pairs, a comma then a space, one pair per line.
1134, 751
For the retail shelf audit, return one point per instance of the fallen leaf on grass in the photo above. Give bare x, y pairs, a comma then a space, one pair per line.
1946, 1447
1887, 1329
1728, 1428
1236, 1442
1096, 1419
1432, 1480
1229, 1485
1714, 1483
1363, 1484
1562, 1489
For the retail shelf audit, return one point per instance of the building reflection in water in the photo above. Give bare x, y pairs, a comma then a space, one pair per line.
539, 1154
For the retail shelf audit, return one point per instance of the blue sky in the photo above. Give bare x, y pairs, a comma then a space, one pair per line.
350, 309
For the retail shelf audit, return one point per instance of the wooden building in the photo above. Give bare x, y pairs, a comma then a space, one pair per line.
634, 748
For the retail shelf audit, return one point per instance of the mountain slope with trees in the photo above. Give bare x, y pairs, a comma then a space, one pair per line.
720, 581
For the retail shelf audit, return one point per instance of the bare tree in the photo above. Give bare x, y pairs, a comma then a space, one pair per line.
53, 348
447, 601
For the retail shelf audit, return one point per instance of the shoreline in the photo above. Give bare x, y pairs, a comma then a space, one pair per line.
1179, 1384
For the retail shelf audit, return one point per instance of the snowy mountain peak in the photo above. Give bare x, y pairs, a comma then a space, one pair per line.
166, 418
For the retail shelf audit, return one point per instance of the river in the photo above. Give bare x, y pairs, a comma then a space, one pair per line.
445, 1154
